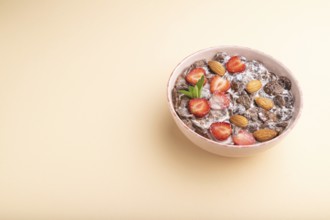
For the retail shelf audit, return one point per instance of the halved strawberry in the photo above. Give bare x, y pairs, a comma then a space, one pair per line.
235, 65
194, 75
244, 138
199, 107
220, 130
219, 100
219, 84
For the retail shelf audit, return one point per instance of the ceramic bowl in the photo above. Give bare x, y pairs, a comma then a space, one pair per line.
227, 150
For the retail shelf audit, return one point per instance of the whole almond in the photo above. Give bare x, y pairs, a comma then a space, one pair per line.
253, 86
217, 67
264, 103
264, 134
239, 121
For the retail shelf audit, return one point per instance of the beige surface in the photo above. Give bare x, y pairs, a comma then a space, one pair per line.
71, 71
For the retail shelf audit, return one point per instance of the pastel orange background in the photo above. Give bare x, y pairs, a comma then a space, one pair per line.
85, 132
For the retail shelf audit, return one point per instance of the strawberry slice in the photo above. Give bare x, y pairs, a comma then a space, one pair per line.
219, 84
220, 130
199, 107
244, 138
235, 65
194, 75
219, 100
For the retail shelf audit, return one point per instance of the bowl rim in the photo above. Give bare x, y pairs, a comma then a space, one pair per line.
259, 144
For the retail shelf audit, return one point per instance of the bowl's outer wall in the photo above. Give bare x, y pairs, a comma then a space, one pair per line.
215, 147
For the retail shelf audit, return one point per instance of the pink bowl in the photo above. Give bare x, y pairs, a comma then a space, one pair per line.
224, 149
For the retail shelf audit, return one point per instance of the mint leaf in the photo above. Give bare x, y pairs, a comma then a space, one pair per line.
191, 89
199, 85
187, 93
195, 92
200, 82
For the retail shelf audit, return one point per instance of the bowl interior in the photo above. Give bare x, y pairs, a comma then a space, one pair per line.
269, 62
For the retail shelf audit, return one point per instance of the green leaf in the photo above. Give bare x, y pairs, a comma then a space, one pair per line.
187, 93
200, 82
191, 89
195, 92
199, 85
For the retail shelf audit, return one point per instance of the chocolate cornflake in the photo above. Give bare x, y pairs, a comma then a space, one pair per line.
285, 82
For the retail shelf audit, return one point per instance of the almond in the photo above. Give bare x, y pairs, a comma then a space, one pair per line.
253, 86
264, 103
239, 121
264, 134
217, 67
